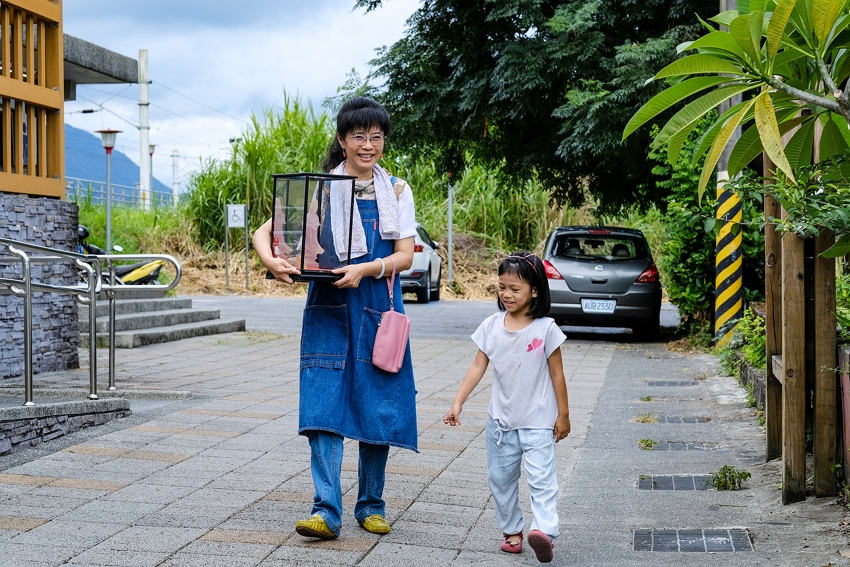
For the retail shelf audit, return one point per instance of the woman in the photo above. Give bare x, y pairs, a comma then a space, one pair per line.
341, 393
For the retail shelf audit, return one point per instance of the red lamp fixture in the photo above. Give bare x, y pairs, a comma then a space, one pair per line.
107, 138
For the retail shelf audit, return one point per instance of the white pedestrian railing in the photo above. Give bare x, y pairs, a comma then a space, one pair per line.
91, 191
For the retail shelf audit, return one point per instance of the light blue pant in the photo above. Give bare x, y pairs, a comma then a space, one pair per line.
505, 450
326, 466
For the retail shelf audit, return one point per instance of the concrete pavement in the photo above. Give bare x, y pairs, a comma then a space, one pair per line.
221, 478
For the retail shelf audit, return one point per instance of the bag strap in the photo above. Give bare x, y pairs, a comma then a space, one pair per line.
391, 284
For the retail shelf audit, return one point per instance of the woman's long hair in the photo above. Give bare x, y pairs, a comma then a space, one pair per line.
359, 113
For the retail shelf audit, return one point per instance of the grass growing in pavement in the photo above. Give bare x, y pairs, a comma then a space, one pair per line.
646, 418
647, 444
646, 398
729, 478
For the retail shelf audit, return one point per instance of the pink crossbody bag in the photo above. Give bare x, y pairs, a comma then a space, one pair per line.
391, 339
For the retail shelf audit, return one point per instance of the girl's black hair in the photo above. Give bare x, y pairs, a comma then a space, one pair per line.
359, 113
528, 267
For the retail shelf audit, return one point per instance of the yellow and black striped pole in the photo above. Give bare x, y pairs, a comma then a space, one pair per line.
729, 292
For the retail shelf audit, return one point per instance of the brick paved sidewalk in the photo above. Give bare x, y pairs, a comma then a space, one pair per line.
221, 478
223, 481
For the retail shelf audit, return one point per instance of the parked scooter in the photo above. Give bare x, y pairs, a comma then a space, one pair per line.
139, 273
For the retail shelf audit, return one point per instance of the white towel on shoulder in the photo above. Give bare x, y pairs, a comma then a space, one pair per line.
340, 196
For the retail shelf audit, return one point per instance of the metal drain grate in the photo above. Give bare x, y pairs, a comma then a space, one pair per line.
681, 446
680, 419
672, 383
674, 482
693, 540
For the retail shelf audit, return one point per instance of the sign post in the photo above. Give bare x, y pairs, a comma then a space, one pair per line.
237, 217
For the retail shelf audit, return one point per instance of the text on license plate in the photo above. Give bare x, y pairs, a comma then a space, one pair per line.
598, 305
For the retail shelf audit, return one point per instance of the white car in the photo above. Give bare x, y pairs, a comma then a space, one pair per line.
427, 270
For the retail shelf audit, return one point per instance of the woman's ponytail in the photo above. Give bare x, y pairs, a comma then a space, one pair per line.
334, 158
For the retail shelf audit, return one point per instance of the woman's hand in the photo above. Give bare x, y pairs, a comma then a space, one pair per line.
281, 269
562, 427
352, 274
453, 417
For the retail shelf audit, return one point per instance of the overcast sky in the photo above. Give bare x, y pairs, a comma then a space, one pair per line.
235, 57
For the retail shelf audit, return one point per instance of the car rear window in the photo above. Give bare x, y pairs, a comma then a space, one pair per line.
611, 247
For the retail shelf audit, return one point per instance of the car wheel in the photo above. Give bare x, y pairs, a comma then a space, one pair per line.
423, 295
648, 331
435, 293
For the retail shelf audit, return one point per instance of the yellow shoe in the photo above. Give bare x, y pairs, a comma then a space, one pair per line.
314, 526
376, 524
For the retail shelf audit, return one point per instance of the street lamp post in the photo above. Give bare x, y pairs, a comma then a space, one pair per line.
151, 148
107, 137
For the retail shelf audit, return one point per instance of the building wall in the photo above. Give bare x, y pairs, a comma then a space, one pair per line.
45, 222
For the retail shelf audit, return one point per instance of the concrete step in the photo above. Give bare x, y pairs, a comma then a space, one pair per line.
125, 306
142, 337
149, 320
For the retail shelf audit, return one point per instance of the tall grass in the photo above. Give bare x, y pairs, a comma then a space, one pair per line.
503, 220
288, 139
294, 138
159, 230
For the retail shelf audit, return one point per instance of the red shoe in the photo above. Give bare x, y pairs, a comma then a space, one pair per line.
509, 547
542, 545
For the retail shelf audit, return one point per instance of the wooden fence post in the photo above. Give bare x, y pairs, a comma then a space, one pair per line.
824, 428
793, 371
773, 321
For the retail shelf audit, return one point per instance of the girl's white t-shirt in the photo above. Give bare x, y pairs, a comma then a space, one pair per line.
523, 396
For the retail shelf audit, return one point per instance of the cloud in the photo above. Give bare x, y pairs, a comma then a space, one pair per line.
238, 61
186, 15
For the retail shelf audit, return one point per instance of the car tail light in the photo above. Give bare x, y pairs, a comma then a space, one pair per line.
418, 248
551, 272
598, 231
649, 275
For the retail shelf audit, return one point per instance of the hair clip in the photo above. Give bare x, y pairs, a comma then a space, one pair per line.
531, 258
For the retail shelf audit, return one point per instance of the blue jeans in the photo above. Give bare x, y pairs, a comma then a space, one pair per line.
505, 450
326, 466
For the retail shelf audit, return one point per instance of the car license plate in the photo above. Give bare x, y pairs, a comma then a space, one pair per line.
598, 305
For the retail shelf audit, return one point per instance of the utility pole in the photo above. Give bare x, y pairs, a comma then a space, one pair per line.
728, 288
175, 176
153, 187
144, 130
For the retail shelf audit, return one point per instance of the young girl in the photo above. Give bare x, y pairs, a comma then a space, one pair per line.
528, 410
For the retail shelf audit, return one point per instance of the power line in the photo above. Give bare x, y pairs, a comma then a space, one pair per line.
180, 115
199, 102
190, 120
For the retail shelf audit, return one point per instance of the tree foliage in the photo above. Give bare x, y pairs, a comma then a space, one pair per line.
787, 56
544, 85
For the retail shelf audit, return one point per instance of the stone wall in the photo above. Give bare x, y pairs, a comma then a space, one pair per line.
32, 426
52, 223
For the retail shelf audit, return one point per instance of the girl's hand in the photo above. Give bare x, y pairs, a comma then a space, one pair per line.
352, 274
281, 269
562, 427
453, 417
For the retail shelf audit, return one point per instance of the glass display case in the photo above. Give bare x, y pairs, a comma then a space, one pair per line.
303, 225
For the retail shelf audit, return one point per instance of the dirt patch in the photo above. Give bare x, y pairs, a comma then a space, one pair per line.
474, 273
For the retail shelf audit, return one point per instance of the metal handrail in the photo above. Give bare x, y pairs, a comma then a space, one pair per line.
92, 264
25, 287
111, 287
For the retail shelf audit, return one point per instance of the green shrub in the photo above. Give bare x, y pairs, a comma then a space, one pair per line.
753, 333
842, 303
688, 249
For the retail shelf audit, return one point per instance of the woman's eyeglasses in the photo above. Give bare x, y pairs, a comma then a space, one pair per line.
360, 139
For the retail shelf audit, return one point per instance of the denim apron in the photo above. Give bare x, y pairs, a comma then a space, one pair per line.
340, 390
